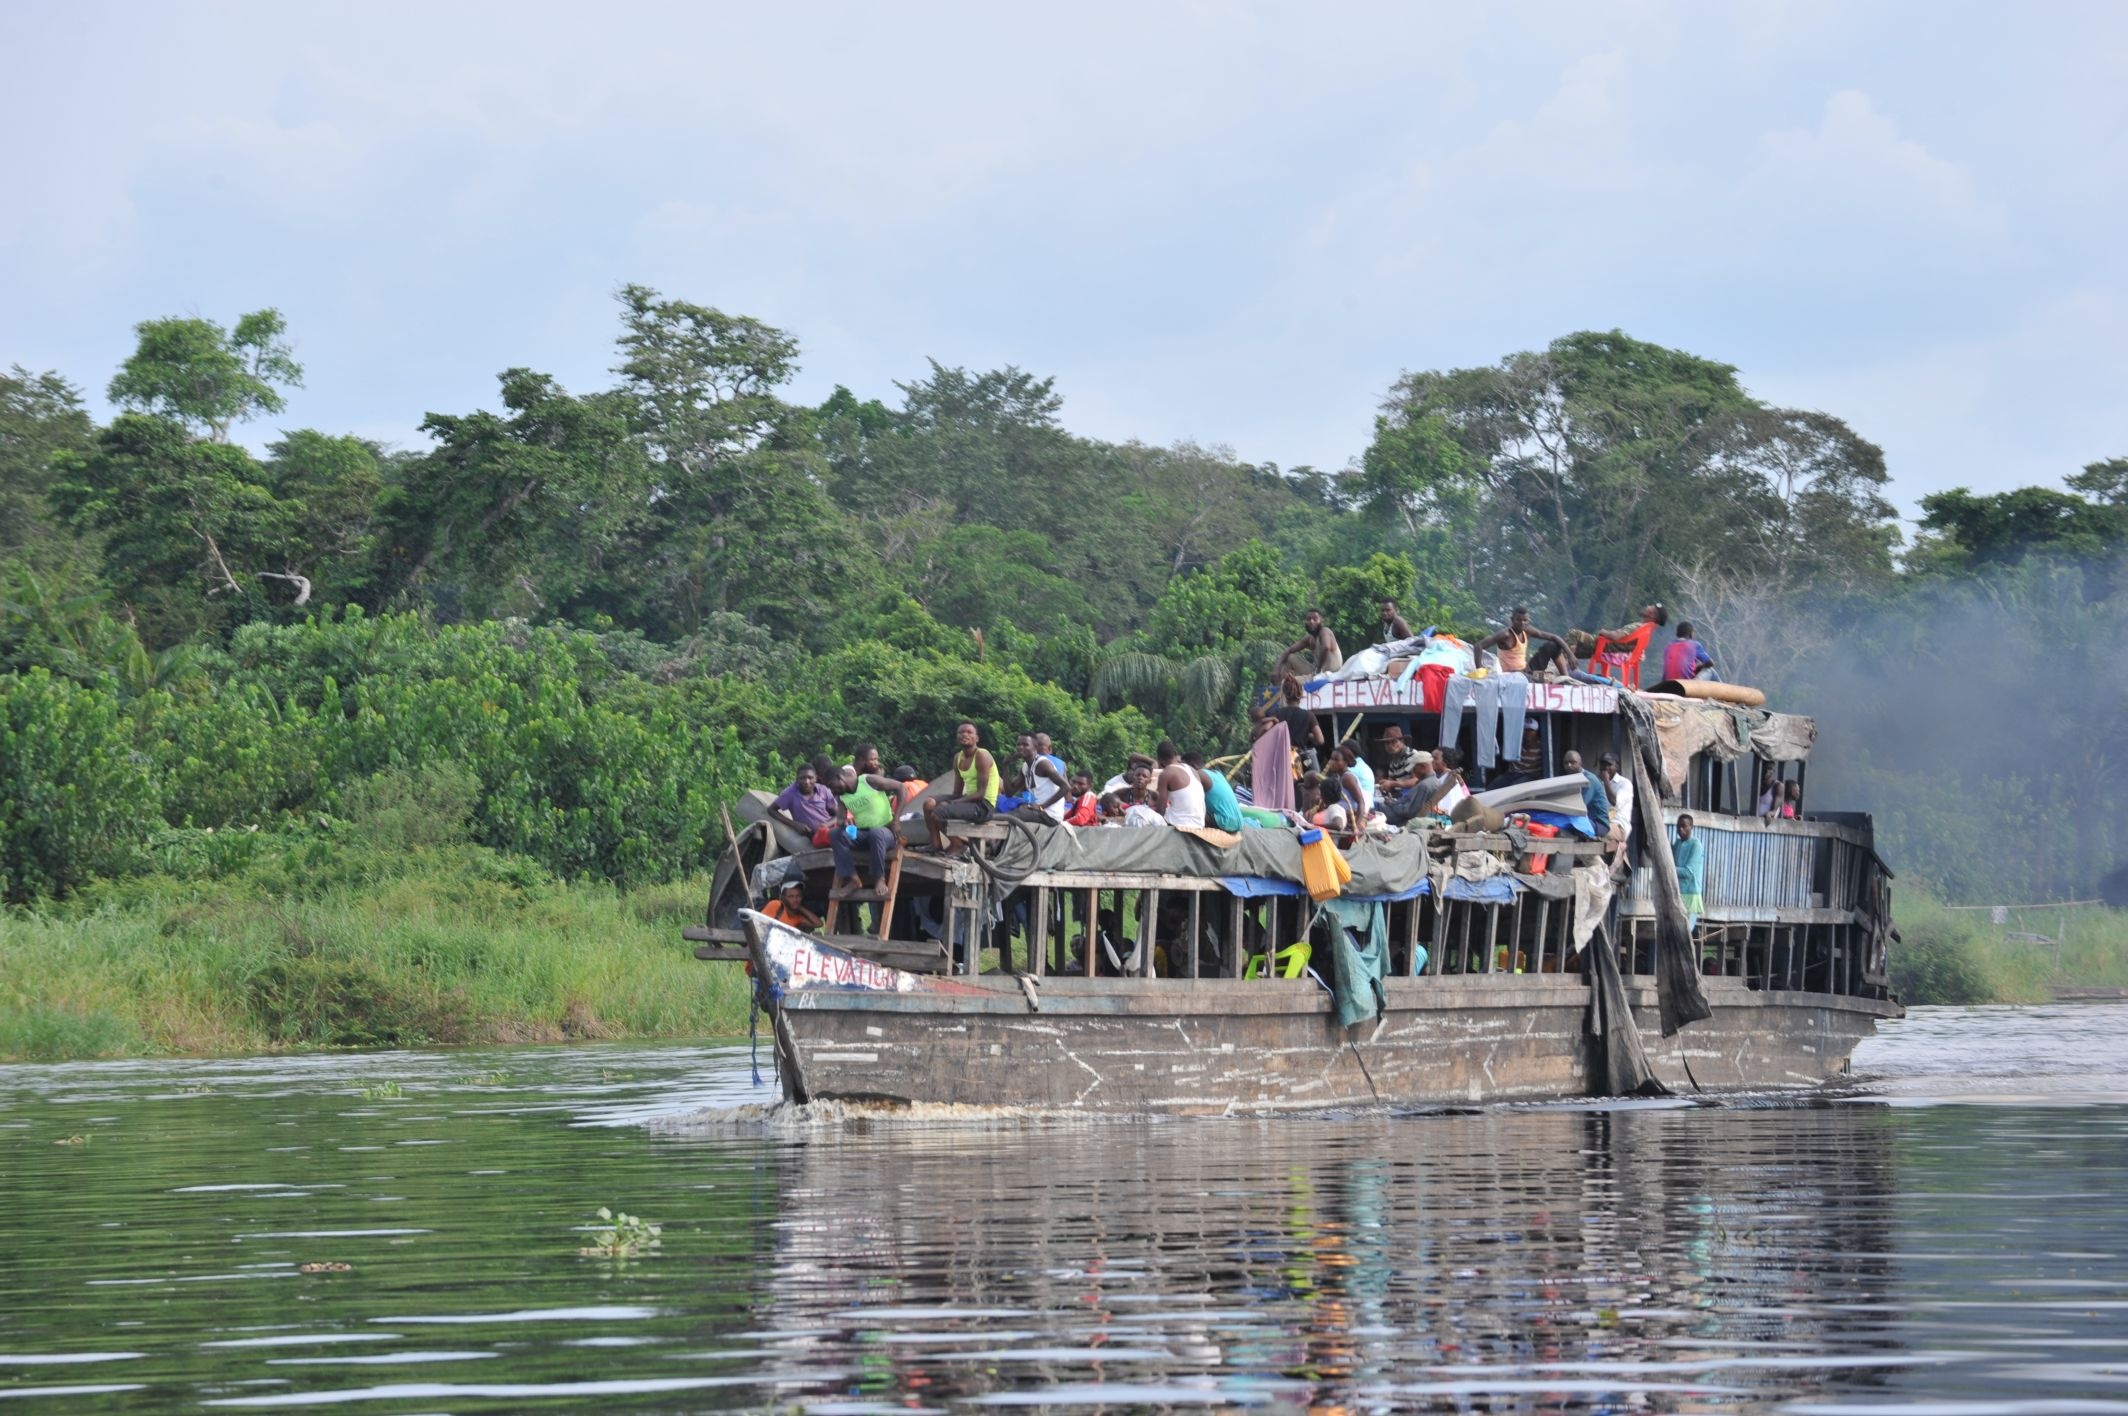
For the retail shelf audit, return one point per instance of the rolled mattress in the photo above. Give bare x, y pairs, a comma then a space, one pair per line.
1713, 691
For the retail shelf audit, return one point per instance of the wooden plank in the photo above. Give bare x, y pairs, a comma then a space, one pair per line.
721, 953
1092, 943
1038, 934
1196, 925
1148, 930
704, 934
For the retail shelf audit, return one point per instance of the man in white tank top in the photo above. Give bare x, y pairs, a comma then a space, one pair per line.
1176, 791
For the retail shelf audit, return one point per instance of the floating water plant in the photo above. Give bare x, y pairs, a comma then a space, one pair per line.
331, 1266
621, 1236
380, 1091
84, 1140
488, 1079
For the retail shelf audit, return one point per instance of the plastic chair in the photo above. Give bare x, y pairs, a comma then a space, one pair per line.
1291, 961
1633, 646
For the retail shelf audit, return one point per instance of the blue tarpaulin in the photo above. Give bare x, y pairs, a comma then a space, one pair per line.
1498, 890
1251, 887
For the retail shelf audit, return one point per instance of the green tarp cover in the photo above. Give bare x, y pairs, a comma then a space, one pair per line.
1378, 867
1362, 932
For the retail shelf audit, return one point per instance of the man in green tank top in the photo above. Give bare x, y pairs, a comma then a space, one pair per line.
867, 824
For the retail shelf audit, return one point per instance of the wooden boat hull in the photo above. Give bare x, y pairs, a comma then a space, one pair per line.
1152, 1046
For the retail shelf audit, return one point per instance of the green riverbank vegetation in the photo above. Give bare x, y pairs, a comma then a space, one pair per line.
314, 741
331, 937
1962, 956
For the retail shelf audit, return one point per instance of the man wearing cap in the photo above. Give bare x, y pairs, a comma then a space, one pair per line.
1401, 764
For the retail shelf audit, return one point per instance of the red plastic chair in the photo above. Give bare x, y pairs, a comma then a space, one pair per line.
1633, 646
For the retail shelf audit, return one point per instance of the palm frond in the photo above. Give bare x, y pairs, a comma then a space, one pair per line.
1133, 674
1206, 684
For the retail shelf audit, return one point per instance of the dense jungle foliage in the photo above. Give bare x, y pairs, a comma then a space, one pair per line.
590, 617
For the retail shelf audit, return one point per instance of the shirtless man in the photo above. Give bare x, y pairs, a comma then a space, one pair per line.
1318, 646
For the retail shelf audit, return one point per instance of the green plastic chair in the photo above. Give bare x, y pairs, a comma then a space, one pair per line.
1292, 961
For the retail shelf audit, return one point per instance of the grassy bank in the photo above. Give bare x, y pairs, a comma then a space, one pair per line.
355, 947
1962, 956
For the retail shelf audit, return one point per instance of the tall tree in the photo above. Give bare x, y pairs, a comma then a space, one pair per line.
1595, 471
209, 378
187, 524
1962, 531
40, 415
515, 511
703, 384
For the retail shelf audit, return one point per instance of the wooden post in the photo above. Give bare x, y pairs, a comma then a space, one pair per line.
1234, 936
1148, 930
1092, 945
1411, 934
1196, 923
1038, 932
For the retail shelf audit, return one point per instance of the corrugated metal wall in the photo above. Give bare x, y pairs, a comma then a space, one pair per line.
1750, 870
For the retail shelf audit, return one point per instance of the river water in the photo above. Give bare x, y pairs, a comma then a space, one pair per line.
1952, 1236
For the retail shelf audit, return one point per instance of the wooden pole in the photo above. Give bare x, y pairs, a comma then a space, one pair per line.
1038, 932
738, 862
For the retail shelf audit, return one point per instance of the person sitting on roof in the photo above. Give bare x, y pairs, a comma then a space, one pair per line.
1394, 628
1656, 615
1402, 766
1581, 643
1512, 643
1317, 649
1557, 660
867, 806
1177, 794
1041, 781
1355, 767
807, 805
1685, 658
1118, 809
1221, 807
789, 908
1442, 779
1081, 806
1124, 779
975, 787
1319, 798
1595, 797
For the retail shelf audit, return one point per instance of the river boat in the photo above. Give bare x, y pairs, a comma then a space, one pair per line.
1179, 972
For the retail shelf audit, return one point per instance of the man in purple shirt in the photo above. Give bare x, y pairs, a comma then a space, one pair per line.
1686, 658
806, 804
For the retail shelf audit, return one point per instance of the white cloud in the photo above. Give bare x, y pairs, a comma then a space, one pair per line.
1855, 191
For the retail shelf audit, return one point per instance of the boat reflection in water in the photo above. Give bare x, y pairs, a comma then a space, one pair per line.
1666, 1256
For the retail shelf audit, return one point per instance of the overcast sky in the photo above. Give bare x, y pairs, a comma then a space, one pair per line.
1222, 222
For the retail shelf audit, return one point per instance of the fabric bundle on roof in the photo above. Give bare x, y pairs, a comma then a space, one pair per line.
1688, 726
